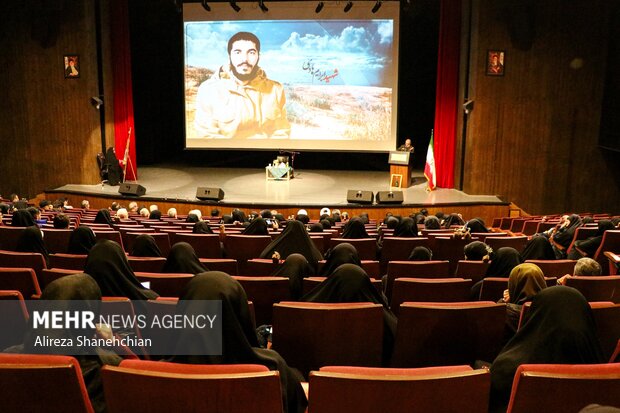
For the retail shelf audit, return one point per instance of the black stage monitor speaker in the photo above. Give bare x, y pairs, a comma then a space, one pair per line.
131, 189
209, 193
389, 197
359, 197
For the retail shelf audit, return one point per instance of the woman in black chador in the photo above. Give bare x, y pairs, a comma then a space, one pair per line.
239, 341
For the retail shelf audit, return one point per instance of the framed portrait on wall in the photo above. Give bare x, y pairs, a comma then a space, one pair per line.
71, 64
496, 62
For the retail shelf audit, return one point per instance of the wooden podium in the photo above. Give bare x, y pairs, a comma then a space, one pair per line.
400, 164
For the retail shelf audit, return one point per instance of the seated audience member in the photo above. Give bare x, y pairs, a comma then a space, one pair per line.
343, 253
476, 225
46, 205
133, 207
74, 287
144, 212
191, 217
258, 226
420, 253
587, 247
440, 216
407, 228
538, 248
85, 204
145, 246
525, 281
562, 234
153, 207
108, 265
349, 283
478, 251
432, 222
61, 221
325, 211
183, 259
325, 223
202, 227
103, 217
302, 216
155, 215
559, 329
239, 216
122, 214
316, 227
36, 215
453, 219
31, 240
354, 229
215, 212
22, 218
239, 340
114, 206
172, 213
344, 217
583, 267
504, 260
65, 203
81, 241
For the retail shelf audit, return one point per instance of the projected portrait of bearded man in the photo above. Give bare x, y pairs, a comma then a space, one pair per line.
239, 101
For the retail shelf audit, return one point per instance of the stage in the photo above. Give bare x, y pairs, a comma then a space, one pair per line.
311, 188
175, 185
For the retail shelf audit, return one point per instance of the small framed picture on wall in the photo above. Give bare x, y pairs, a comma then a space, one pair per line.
72, 66
496, 60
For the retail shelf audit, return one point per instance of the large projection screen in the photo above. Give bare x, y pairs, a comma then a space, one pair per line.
320, 81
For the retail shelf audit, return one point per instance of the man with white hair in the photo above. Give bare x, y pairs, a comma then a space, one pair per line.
172, 213
122, 214
583, 267
153, 208
133, 206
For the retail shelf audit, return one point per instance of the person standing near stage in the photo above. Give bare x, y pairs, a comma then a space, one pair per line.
406, 147
239, 101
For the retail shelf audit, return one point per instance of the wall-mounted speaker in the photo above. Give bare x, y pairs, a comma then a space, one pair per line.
131, 189
209, 193
359, 197
390, 197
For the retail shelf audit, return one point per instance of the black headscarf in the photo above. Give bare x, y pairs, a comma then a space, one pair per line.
192, 218
564, 236
239, 215
391, 222
145, 246
406, 228
295, 268
505, 259
103, 217
108, 265
115, 173
155, 214
67, 288
476, 251
294, 239
258, 226
354, 229
183, 259
22, 218
316, 227
31, 240
343, 253
560, 329
538, 248
432, 222
82, 240
227, 219
326, 223
239, 341
349, 283
202, 227
476, 225
453, 219
420, 253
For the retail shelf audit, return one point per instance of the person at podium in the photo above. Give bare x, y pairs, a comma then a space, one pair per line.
406, 147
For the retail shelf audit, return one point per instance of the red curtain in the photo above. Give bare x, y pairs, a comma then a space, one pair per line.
124, 129
446, 104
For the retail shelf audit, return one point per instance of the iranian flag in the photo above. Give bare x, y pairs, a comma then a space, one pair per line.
429, 168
